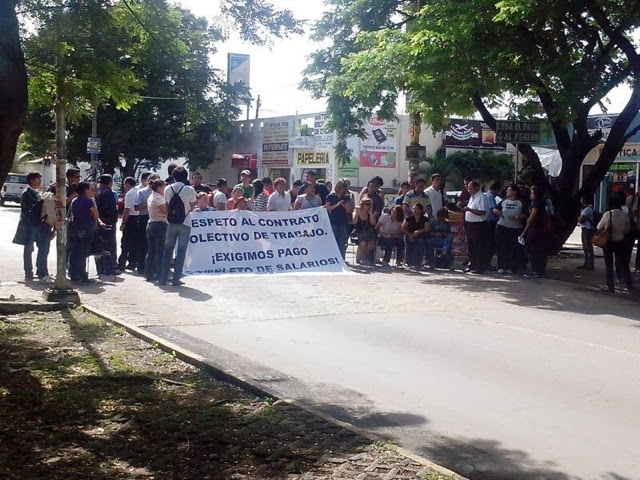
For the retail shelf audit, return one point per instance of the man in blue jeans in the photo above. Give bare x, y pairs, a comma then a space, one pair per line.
32, 229
177, 231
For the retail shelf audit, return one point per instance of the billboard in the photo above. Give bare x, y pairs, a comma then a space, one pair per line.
379, 149
471, 134
238, 69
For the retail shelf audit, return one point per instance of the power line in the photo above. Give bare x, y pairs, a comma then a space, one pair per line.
162, 98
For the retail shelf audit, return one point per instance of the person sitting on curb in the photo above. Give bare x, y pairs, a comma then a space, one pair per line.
416, 227
390, 235
439, 238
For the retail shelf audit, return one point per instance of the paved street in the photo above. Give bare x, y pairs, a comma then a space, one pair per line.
491, 377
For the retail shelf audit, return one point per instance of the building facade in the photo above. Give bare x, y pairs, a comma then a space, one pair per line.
288, 146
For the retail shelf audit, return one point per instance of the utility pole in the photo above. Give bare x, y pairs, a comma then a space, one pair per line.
61, 290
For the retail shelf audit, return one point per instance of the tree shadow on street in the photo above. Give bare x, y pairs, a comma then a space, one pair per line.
484, 459
474, 458
539, 293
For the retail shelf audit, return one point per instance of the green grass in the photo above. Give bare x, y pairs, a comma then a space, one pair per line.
119, 364
163, 359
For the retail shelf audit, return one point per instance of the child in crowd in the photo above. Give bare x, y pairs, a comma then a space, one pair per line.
203, 203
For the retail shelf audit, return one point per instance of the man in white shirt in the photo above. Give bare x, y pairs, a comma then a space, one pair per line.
280, 199
220, 197
437, 193
177, 231
475, 216
129, 227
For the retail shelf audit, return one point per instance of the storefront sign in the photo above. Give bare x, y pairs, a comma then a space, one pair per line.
302, 142
602, 123
275, 143
471, 134
323, 137
379, 149
629, 153
511, 131
237, 241
313, 159
622, 178
240, 160
349, 169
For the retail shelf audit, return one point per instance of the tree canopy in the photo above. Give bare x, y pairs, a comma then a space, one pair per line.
528, 59
144, 64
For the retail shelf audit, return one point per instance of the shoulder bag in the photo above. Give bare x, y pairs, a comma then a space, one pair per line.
602, 237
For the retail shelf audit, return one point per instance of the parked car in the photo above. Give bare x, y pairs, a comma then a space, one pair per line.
14, 185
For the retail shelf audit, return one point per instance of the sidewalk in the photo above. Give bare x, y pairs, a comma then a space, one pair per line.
563, 267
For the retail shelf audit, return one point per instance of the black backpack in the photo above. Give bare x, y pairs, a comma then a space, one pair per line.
176, 213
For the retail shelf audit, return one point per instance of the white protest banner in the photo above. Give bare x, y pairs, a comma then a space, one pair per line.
241, 241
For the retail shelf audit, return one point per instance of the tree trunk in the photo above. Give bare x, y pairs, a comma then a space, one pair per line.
13, 87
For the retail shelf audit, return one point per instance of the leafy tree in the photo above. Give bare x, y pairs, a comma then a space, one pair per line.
536, 59
485, 166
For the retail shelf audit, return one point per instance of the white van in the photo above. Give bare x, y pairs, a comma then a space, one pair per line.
14, 185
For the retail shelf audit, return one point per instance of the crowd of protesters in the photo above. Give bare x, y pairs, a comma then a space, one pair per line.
509, 225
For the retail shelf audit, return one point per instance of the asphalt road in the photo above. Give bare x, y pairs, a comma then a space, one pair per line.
491, 377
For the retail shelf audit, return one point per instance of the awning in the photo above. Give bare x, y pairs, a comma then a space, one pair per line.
550, 160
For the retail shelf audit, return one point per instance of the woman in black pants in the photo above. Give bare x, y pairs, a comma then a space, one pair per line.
508, 229
616, 222
533, 235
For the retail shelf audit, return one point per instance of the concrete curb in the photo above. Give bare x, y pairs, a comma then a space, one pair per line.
16, 306
246, 384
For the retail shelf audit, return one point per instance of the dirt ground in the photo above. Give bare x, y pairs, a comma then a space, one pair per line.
82, 399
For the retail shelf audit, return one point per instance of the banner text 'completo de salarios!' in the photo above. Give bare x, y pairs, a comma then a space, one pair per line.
237, 241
